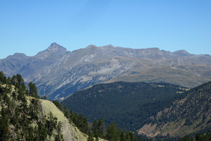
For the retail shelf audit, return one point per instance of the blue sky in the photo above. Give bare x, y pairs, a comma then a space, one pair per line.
30, 26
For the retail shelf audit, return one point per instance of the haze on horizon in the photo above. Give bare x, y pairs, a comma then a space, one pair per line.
31, 26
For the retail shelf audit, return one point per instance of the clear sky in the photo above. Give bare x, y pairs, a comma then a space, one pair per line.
30, 26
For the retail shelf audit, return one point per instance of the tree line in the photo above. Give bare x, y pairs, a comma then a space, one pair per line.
97, 129
19, 114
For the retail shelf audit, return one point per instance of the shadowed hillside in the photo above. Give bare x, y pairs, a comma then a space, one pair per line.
125, 103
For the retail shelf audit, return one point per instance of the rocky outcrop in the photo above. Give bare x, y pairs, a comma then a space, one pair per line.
69, 132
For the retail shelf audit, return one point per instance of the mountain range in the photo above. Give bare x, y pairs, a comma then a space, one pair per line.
58, 72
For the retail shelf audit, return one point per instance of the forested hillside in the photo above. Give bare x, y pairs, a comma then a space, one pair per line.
20, 116
125, 103
189, 115
24, 116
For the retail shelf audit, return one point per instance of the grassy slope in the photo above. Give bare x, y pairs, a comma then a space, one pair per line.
176, 76
69, 131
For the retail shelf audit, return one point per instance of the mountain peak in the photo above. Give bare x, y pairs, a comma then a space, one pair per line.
54, 47
17, 55
109, 46
91, 46
182, 53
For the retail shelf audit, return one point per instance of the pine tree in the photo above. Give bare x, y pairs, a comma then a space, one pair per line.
4, 133
33, 90
90, 138
51, 123
122, 136
101, 128
112, 132
95, 128
2, 77
58, 105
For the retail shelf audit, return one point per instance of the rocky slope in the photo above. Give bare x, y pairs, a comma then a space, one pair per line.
85, 67
69, 132
60, 73
25, 117
31, 67
191, 114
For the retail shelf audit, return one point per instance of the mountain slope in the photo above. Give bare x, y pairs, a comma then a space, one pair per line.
23, 116
13, 63
68, 131
32, 67
188, 115
59, 73
92, 65
124, 103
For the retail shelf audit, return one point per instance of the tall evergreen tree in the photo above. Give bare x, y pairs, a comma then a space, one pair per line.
122, 136
112, 132
4, 134
33, 90
95, 128
2, 77
101, 128
90, 136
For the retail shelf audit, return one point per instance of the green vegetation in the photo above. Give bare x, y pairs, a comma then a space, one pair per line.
20, 118
97, 129
128, 103
123, 103
198, 137
188, 115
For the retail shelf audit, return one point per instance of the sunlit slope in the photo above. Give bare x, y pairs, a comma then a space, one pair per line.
59, 73
69, 131
189, 115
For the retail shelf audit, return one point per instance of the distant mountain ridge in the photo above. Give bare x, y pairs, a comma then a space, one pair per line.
58, 72
31, 67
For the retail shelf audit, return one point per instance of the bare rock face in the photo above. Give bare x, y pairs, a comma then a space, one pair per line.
69, 132
60, 73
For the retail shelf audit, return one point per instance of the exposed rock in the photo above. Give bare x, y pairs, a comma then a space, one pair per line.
69, 132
